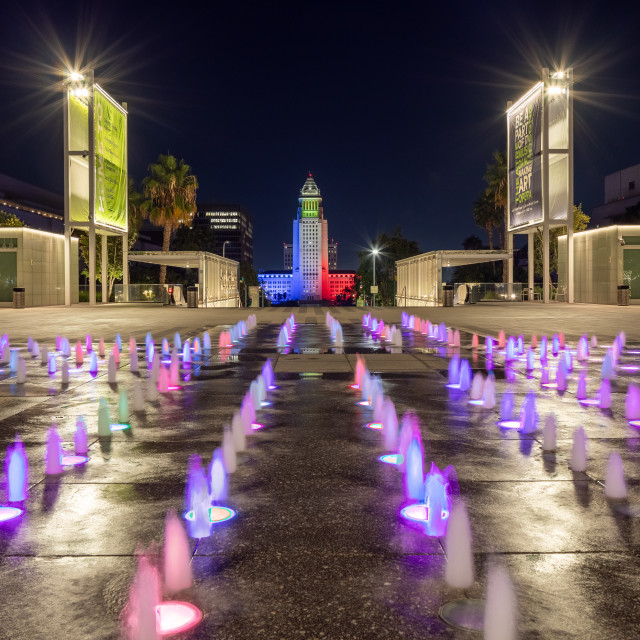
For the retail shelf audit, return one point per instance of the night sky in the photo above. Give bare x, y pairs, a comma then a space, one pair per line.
395, 109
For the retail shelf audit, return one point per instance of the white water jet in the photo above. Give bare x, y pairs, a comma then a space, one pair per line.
500, 621
229, 451
133, 361
53, 452
615, 486
123, 407
111, 370
138, 397
104, 419
21, 375
459, 568
477, 386
64, 372
549, 433
579, 450
237, 428
80, 438
489, 392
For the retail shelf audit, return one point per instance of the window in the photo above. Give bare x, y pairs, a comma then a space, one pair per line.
632, 185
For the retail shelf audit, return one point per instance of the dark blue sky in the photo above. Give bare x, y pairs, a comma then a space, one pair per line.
395, 109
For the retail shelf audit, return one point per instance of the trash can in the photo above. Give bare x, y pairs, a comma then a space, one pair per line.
192, 296
448, 295
623, 295
18, 298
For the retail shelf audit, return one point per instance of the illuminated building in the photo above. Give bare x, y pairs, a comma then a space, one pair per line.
310, 261
332, 249
232, 229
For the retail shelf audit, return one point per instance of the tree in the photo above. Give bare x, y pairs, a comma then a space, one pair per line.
135, 214
8, 219
248, 277
170, 189
496, 178
391, 248
580, 222
486, 215
193, 239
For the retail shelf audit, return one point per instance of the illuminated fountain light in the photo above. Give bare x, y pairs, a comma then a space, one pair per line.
119, 426
175, 617
73, 461
256, 426
629, 367
415, 512
634, 423
364, 403
391, 458
373, 425
8, 513
509, 424
590, 402
217, 514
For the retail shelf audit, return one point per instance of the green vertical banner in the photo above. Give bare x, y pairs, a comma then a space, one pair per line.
110, 123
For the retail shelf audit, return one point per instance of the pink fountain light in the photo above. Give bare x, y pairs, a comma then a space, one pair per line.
175, 617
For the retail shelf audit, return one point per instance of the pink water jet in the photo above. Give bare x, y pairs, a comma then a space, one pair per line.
632, 403
140, 619
177, 555
79, 355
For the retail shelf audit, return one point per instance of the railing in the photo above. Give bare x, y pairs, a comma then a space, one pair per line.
156, 293
488, 292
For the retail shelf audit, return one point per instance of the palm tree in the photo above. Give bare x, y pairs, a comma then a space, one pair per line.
496, 179
486, 216
171, 192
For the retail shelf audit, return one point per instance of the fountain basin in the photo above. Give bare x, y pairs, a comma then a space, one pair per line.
175, 617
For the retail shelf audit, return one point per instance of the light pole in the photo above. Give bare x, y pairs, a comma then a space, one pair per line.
374, 253
224, 246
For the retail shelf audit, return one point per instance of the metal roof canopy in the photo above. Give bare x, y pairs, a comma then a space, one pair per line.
455, 258
184, 259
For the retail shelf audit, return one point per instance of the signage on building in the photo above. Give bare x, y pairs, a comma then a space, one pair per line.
524, 126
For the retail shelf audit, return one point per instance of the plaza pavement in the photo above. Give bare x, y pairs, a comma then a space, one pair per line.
317, 549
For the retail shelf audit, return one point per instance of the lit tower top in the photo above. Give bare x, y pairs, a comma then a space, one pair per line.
310, 201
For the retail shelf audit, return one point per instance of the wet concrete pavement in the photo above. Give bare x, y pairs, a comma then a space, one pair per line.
317, 549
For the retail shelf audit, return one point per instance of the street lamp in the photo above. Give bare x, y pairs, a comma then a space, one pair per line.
374, 253
224, 246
